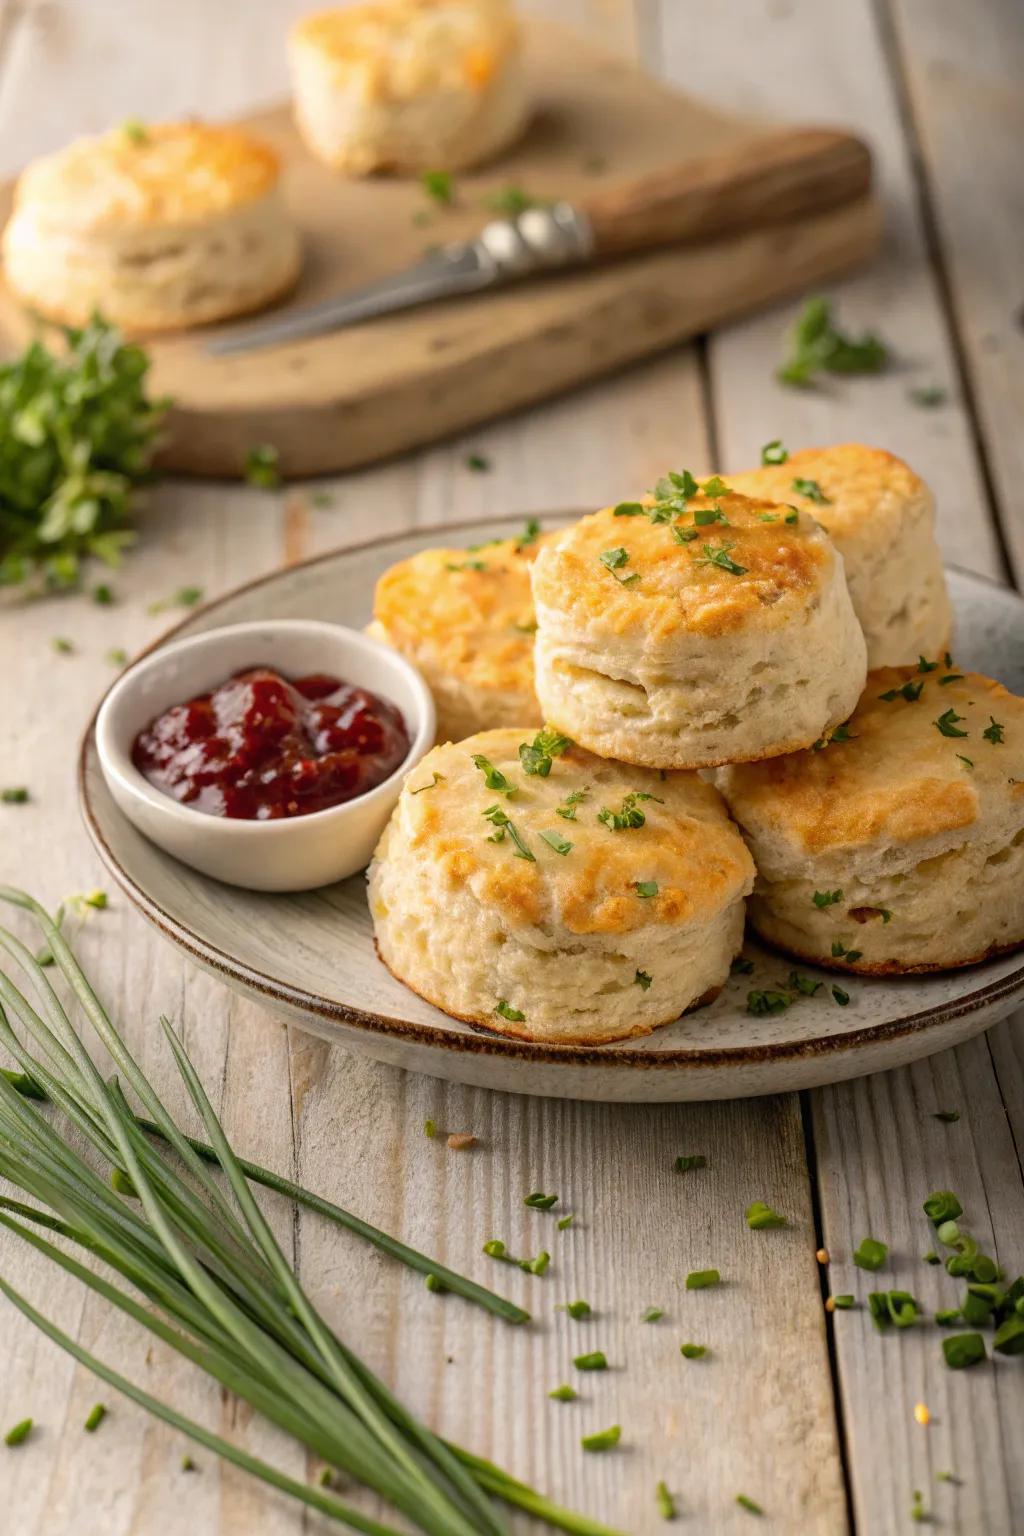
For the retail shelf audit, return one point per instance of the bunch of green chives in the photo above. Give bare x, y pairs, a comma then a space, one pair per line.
215, 1285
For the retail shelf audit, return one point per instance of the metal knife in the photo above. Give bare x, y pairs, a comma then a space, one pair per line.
770, 178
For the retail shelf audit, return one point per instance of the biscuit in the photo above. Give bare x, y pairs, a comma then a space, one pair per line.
695, 629
157, 226
408, 85
902, 847
881, 518
590, 903
464, 617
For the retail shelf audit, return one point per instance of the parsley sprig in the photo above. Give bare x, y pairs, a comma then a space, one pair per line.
819, 346
630, 815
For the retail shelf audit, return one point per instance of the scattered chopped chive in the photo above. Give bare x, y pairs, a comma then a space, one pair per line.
117, 656
536, 756
805, 985
536, 1266
630, 816
693, 1351
96, 899
19, 1433
665, 1502
827, 898
437, 779
529, 535
564, 1394
643, 980
613, 560
840, 951
963, 1349
326, 1477
505, 1009
749, 1505
1009, 1336
262, 467
841, 997
918, 1512
767, 1000
703, 517
630, 509
870, 1254
17, 794
540, 1202
761, 1217
774, 452
897, 1307
931, 1257
96, 1416
690, 1160
818, 345
594, 1361
103, 594
812, 490
493, 777
948, 1317
646, 887
439, 186
927, 396
577, 1310
62, 646
495, 1249
502, 824
742, 966
951, 677
702, 1279
950, 1116
565, 1221
430, 1129
718, 554
188, 1465
842, 1303
567, 809
910, 690
841, 733
793, 515
966, 760
652, 1315
942, 1206
434, 1284
556, 842
603, 1440
993, 732
135, 130
946, 724
466, 565
185, 597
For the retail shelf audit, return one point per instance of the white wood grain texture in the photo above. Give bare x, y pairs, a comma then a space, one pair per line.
962, 67
814, 61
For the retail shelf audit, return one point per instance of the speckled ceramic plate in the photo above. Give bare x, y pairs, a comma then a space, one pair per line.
310, 957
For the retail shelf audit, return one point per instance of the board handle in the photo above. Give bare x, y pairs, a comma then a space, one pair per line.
766, 179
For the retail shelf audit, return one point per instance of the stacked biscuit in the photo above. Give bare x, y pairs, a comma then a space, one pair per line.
586, 882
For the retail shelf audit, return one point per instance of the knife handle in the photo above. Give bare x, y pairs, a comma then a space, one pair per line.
765, 179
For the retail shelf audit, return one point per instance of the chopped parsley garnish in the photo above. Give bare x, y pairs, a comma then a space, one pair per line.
643, 981
556, 842
704, 516
812, 490
841, 997
870, 1254
262, 467
536, 756
567, 809
477, 463
566, 1221
564, 1394
749, 1505
683, 535
630, 816
690, 1160
135, 130
466, 565
613, 560
718, 554
767, 1000
702, 1279
951, 677
665, 1502
774, 452
793, 515
827, 898
716, 486
17, 794
538, 1201
529, 535
946, 724
993, 732
577, 1310
62, 646
514, 1015
924, 665
185, 597
19, 1433
103, 594
646, 887
430, 1129
805, 985
761, 1217
840, 952
511, 200
630, 509
910, 690
693, 1351
818, 346
966, 760
742, 966
502, 824
963, 1349
439, 186
927, 396
493, 777
949, 1116
603, 1440
437, 779
652, 1315
594, 1361
840, 734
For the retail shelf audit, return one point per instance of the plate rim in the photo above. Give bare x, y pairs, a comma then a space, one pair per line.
613, 1055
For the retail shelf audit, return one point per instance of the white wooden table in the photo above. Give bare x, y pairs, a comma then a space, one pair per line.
815, 1422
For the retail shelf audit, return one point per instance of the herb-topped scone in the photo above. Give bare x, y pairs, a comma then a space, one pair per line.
695, 627
881, 518
524, 885
465, 618
900, 845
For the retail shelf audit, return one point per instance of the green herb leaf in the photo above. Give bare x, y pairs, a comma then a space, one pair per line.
564, 1394
567, 809
556, 841
683, 535
594, 1361
16, 794
665, 1502
539, 1201
565, 1222
870, 1254
748, 1504
652, 1315
704, 516
950, 1116
437, 779
185, 597
842, 1303
630, 816
645, 888
466, 565
818, 345
690, 1160
536, 1266
951, 677
613, 560
97, 1414
910, 690
643, 980
774, 452
514, 1015
536, 756
511, 201
805, 985
19, 1433
946, 724
477, 463
767, 1000
841, 997
693, 1351
812, 490
840, 951
103, 594
501, 823
942, 1206
827, 898
761, 1217
718, 554
430, 1129
993, 732
135, 130
577, 1310
529, 535
263, 467
439, 186
966, 760
603, 1440
742, 966
630, 509
702, 1279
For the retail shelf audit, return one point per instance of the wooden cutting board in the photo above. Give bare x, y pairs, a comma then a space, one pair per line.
358, 395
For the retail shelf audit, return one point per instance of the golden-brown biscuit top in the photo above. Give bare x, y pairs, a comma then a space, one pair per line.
398, 48
724, 563
906, 773
864, 488
468, 611
148, 175
602, 882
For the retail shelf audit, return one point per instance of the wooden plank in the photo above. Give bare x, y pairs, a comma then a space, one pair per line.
962, 69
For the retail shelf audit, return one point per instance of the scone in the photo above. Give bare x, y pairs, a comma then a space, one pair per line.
525, 886
157, 226
881, 517
693, 629
408, 85
900, 847
464, 617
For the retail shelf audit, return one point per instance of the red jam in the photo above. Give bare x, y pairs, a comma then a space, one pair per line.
260, 747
